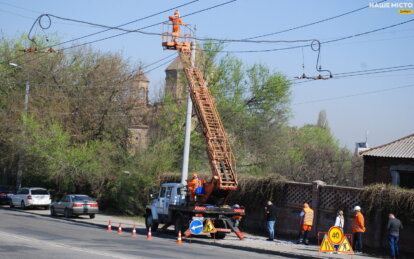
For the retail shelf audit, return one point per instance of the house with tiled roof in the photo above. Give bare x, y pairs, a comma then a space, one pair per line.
391, 163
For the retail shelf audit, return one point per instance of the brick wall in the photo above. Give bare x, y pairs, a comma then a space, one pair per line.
377, 169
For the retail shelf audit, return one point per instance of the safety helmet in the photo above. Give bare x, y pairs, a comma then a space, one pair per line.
357, 208
177, 13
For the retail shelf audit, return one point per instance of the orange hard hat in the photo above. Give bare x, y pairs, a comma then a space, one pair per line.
177, 13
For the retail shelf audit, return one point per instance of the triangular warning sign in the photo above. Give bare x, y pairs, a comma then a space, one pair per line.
209, 227
326, 245
345, 247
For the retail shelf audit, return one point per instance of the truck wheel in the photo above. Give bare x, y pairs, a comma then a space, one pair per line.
178, 224
218, 235
149, 222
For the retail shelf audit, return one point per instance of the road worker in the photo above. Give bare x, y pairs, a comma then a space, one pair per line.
358, 228
196, 187
177, 22
306, 221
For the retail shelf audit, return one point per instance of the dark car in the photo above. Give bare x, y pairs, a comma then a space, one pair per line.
5, 193
75, 204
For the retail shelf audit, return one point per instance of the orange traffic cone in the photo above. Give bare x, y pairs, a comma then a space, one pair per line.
149, 236
179, 241
120, 229
109, 226
134, 231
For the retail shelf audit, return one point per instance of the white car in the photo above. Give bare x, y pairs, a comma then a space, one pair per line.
31, 197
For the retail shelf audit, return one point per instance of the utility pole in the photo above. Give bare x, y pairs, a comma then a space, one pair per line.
186, 153
20, 162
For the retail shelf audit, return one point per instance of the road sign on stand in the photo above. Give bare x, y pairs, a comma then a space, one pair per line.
335, 235
209, 227
196, 226
326, 245
345, 247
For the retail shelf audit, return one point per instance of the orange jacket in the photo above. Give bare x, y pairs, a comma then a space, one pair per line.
195, 183
307, 218
358, 224
177, 22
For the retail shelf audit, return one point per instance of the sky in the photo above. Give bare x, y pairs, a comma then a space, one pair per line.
380, 104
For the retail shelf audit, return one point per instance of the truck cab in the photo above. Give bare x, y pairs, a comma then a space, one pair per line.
158, 210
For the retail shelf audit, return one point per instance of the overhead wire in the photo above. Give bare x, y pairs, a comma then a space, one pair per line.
355, 95
312, 23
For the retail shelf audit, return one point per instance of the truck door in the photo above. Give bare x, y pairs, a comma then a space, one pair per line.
167, 199
161, 201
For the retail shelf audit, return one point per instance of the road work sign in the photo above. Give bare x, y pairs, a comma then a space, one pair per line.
196, 226
326, 245
345, 247
335, 235
209, 227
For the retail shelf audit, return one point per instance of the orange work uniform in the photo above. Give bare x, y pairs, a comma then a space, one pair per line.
307, 219
358, 224
177, 22
193, 185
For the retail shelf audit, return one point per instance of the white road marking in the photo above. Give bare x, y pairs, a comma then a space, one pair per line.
44, 242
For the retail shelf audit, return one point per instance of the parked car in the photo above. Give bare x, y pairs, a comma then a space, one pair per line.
5, 193
75, 204
31, 197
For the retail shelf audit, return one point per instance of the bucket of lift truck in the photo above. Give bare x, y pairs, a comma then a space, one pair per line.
170, 41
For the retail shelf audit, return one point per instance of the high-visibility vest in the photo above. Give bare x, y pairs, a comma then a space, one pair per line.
307, 217
358, 224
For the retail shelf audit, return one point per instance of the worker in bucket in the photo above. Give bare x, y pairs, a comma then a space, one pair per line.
177, 22
306, 221
196, 187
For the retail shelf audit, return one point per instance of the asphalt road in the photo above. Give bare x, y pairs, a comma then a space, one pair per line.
24, 235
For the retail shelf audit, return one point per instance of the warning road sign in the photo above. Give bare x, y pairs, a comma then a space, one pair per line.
335, 235
209, 227
326, 245
345, 247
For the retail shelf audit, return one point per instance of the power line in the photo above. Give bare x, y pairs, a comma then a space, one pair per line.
313, 23
324, 42
355, 95
127, 31
375, 69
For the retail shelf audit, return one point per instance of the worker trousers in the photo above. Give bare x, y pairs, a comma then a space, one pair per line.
393, 244
358, 241
271, 228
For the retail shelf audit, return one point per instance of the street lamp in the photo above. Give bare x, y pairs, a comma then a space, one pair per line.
20, 163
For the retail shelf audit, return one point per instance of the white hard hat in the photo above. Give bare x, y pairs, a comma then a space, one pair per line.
357, 208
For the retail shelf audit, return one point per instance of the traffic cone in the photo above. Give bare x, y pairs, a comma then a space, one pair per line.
120, 229
179, 241
149, 236
109, 226
134, 231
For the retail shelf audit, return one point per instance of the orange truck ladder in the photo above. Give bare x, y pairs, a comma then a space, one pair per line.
220, 154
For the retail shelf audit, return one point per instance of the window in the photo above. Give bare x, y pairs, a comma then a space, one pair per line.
141, 93
82, 198
162, 193
407, 179
169, 189
39, 192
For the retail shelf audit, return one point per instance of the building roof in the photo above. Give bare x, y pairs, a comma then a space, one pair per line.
400, 148
175, 65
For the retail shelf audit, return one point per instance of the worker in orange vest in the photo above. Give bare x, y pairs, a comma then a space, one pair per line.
358, 228
196, 187
306, 221
177, 22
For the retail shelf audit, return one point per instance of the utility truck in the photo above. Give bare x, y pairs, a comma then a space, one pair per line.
172, 206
